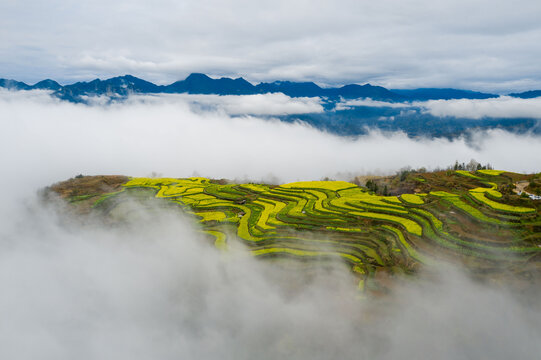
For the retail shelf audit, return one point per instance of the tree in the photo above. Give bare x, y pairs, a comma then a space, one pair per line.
472, 165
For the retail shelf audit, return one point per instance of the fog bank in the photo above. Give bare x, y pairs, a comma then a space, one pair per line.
157, 289
175, 139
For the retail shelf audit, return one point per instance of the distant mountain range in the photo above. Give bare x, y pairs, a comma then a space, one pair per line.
196, 83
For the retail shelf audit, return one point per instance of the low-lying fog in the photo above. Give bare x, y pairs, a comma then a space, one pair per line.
157, 290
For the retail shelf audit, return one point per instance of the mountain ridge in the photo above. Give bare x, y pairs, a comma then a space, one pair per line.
198, 83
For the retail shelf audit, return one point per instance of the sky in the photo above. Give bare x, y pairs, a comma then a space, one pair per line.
483, 45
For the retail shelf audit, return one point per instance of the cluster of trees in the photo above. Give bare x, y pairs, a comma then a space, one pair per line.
534, 187
374, 187
471, 166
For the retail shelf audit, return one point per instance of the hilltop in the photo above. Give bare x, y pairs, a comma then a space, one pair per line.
381, 227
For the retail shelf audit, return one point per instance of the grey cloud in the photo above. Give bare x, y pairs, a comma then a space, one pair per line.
484, 45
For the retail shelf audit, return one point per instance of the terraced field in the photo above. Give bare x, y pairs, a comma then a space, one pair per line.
451, 216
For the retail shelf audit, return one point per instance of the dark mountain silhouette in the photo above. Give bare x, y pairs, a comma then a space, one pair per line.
117, 86
13, 84
202, 84
47, 84
423, 94
196, 83
289, 88
527, 94
366, 91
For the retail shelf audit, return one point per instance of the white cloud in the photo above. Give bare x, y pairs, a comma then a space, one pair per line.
156, 290
169, 137
260, 104
345, 104
501, 107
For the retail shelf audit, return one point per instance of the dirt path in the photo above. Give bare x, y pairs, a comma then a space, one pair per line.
520, 186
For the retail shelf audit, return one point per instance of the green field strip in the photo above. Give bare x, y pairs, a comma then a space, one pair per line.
306, 209
408, 224
478, 249
211, 215
481, 198
294, 200
327, 185
305, 253
494, 195
355, 248
407, 247
443, 194
360, 251
490, 191
434, 230
172, 191
361, 205
491, 172
255, 188
267, 220
358, 194
344, 229
468, 174
77, 198
200, 196
392, 200
411, 199
225, 192
411, 226
105, 197
243, 230
218, 205
286, 191
150, 182
320, 208
221, 239
471, 211
447, 241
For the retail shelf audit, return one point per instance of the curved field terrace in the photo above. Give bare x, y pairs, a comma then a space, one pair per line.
470, 217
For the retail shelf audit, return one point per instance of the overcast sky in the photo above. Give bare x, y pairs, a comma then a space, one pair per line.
489, 45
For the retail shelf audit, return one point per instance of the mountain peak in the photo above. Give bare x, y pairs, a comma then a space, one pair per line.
13, 84
47, 84
198, 76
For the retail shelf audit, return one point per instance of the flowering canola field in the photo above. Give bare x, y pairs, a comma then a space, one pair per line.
329, 220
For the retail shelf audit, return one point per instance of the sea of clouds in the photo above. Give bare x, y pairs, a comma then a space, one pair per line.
500, 107
156, 289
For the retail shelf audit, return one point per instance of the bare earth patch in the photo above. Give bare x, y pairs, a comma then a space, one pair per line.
89, 185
